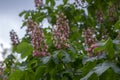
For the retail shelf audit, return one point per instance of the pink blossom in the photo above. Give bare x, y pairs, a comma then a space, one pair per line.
61, 32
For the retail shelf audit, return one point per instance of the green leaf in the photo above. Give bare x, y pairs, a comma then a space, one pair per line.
29, 75
56, 55
101, 68
51, 65
65, 1
99, 48
52, 73
87, 59
115, 68
72, 49
25, 49
66, 57
14, 48
88, 67
39, 72
47, 1
32, 63
27, 15
24, 24
16, 75
52, 3
109, 75
89, 1
87, 76
117, 25
22, 13
94, 76
92, 59
109, 48
45, 59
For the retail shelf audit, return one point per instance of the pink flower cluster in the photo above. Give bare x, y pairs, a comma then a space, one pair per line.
61, 32
39, 44
2, 69
14, 37
30, 26
90, 50
90, 42
99, 16
38, 41
112, 12
38, 3
89, 37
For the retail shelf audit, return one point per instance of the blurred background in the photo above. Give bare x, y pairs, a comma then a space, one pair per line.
9, 19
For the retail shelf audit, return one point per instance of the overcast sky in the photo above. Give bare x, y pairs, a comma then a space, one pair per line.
9, 19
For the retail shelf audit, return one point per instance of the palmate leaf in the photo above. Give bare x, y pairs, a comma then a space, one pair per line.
101, 68
109, 74
25, 49
87, 59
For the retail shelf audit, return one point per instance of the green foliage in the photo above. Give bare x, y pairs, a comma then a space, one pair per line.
117, 25
17, 75
25, 49
71, 63
109, 48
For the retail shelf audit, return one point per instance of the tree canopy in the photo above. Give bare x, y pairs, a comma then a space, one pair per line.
81, 42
